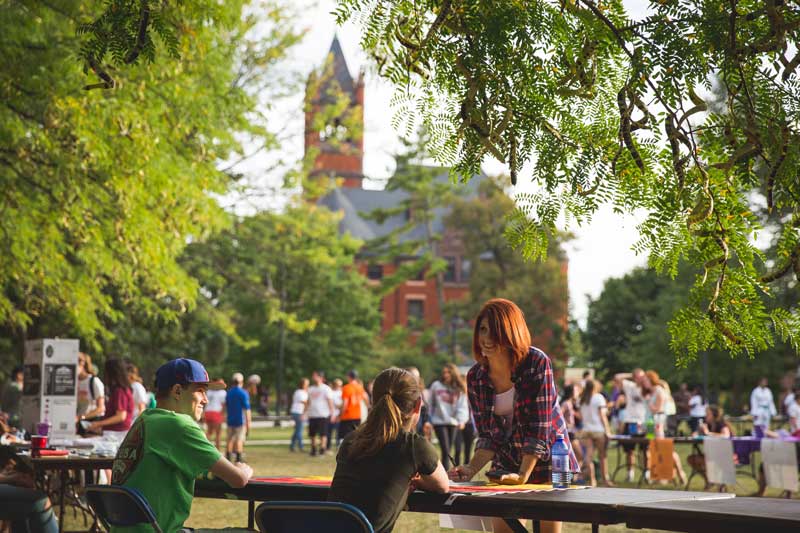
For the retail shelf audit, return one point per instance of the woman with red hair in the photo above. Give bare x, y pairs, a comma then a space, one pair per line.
514, 402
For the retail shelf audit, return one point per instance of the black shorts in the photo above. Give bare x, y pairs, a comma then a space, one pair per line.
346, 427
629, 446
318, 426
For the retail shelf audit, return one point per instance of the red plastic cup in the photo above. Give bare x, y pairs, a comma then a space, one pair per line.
38, 442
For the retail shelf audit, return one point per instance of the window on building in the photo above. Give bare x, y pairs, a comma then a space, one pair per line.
416, 312
466, 268
450, 273
375, 272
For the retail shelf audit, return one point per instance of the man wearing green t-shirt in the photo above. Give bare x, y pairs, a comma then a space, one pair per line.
165, 449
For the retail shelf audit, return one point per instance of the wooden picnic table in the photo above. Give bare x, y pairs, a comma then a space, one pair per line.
771, 515
596, 506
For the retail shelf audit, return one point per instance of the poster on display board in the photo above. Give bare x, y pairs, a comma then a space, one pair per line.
51, 385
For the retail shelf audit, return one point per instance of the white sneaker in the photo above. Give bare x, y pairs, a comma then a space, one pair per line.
630, 476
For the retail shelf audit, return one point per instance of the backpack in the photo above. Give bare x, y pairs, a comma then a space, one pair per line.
91, 386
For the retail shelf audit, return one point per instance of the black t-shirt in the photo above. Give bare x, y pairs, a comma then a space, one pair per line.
378, 484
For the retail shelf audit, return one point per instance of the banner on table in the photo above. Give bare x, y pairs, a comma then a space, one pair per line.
719, 461
780, 464
661, 465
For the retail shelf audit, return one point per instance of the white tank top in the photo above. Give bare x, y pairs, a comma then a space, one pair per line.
504, 403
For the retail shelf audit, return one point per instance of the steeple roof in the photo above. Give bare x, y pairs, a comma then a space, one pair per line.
341, 73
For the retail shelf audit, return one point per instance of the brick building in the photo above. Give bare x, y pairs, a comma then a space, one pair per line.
415, 299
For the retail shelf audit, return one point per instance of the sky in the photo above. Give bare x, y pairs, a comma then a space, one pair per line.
600, 250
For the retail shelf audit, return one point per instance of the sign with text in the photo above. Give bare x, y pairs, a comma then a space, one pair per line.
50, 390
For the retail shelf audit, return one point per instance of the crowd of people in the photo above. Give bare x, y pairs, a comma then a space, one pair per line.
507, 407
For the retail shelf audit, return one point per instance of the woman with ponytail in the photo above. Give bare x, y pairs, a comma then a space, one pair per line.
379, 461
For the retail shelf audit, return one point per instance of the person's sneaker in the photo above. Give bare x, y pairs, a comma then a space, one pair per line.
630, 476
313, 452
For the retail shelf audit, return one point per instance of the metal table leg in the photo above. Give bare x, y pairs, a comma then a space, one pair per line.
251, 514
62, 489
517, 527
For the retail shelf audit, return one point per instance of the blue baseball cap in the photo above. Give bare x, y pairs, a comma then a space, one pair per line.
184, 372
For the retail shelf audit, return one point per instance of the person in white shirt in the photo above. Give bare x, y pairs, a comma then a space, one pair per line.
762, 404
793, 412
634, 385
91, 391
697, 408
320, 412
140, 397
449, 409
337, 410
298, 410
596, 430
214, 410
788, 400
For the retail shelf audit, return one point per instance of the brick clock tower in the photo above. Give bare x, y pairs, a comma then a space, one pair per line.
341, 149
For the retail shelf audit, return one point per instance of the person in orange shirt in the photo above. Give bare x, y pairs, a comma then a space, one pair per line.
352, 396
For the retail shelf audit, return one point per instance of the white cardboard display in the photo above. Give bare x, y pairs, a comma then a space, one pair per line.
51, 385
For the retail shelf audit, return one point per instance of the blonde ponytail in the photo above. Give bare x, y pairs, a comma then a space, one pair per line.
396, 392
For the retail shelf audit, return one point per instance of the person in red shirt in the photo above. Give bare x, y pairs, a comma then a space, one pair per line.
119, 407
352, 396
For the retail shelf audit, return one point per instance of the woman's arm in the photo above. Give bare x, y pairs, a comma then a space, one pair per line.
467, 472
604, 419
435, 482
100, 410
658, 404
116, 418
536, 394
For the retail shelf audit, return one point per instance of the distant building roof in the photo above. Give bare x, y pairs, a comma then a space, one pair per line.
354, 203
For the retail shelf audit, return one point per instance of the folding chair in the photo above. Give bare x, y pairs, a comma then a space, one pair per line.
120, 506
331, 517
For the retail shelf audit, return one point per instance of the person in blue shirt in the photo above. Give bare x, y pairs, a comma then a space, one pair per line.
237, 403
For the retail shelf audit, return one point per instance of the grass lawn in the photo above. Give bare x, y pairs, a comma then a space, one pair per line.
277, 460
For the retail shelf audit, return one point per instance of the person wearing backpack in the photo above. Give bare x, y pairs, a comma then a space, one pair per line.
91, 391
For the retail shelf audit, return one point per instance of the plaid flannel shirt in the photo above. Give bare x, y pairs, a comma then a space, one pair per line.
536, 422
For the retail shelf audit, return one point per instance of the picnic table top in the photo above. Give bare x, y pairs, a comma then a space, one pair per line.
67, 462
596, 505
718, 515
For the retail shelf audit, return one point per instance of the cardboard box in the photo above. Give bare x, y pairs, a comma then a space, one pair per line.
51, 385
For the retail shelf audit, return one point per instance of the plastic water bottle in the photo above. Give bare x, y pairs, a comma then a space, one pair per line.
559, 457
650, 432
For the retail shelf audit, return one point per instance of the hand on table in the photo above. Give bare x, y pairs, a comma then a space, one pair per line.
412, 484
246, 468
461, 473
94, 427
510, 479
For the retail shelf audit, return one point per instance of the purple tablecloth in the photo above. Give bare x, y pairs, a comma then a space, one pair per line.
744, 447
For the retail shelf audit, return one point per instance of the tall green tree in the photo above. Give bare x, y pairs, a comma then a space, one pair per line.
285, 283
102, 190
611, 109
627, 327
414, 245
497, 270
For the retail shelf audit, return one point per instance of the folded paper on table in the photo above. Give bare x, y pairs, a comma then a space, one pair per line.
780, 464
